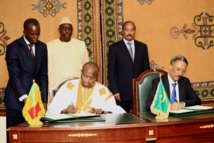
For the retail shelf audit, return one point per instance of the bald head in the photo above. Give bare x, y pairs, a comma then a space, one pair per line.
89, 74
128, 22
91, 67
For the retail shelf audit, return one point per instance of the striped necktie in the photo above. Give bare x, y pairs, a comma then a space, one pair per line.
31, 50
130, 50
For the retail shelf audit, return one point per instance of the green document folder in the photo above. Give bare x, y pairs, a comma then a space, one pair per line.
196, 109
60, 117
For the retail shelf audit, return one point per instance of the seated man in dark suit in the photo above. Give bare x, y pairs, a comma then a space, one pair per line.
178, 87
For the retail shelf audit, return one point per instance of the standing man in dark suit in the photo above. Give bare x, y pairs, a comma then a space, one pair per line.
26, 60
177, 86
127, 59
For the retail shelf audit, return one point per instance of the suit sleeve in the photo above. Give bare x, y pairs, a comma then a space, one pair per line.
152, 93
13, 66
191, 97
146, 59
112, 75
43, 76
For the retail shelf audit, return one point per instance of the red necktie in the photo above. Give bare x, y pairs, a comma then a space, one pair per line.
31, 50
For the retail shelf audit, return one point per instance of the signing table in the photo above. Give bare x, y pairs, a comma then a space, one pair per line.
121, 128
195, 127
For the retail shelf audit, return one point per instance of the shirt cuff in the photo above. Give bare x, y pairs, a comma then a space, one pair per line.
184, 104
22, 97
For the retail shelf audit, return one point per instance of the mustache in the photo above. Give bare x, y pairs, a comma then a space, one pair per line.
130, 35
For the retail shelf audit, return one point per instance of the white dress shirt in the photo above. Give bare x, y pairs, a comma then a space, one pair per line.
132, 45
171, 87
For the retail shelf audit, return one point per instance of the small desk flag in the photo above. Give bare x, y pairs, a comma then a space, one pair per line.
33, 109
160, 104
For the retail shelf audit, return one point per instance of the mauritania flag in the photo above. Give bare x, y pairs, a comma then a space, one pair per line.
33, 109
160, 104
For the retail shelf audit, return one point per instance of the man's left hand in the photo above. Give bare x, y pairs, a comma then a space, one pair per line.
176, 106
45, 106
96, 111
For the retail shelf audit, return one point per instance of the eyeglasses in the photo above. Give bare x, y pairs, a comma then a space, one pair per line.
180, 70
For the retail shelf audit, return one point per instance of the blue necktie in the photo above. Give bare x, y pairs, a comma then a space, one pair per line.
173, 98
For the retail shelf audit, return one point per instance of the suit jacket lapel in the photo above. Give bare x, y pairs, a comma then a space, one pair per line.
125, 50
166, 84
26, 48
36, 52
30, 66
37, 56
136, 51
180, 86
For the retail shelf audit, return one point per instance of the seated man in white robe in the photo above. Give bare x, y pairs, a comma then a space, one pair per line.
84, 95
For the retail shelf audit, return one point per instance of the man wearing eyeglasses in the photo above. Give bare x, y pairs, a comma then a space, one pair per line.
178, 87
84, 95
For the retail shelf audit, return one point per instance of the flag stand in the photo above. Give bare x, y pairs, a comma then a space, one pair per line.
33, 109
160, 105
161, 118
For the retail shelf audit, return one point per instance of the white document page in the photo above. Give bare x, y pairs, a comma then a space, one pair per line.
199, 107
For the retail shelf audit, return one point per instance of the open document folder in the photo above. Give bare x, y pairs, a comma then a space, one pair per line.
189, 109
58, 117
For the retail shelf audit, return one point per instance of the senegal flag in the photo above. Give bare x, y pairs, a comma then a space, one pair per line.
160, 104
33, 109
